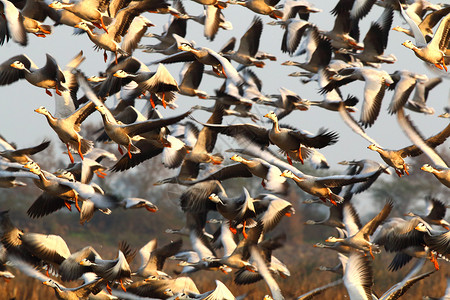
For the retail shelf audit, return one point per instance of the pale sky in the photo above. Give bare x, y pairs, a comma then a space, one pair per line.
19, 123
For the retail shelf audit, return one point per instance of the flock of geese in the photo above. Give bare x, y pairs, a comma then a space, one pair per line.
333, 59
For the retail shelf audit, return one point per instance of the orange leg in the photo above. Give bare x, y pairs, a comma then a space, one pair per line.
405, 168
438, 66
398, 173
129, 153
121, 285
67, 204
120, 149
223, 72
151, 101
330, 197
263, 183
433, 259
108, 288
105, 56
371, 253
5, 279
288, 214
217, 71
57, 91
233, 230
103, 25
115, 58
243, 230
40, 35
300, 155
163, 101
443, 64
43, 30
48, 92
288, 159
76, 203
70, 154
79, 150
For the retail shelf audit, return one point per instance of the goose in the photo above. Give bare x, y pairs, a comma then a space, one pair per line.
48, 77
404, 82
436, 213
113, 270
35, 248
418, 102
294, 31
286, 102
374, 89
292, 141
248, 47
332, 100
220, 292
71, 269
159, 83
427, 24
339, 35
407, 236
265, 273
16, 25
435, 52
160, 289
68, 129
303, 9
153, 258
442, 172
318, 52
358, 277
375, 42
260, 7
360, 239
190, 78
61, 292
238, 209
220, 64
20, 155
91, 11
362, 167
177, 27
120, 133
57, 192
317, 186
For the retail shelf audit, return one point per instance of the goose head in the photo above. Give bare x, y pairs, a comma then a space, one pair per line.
237, 158
332, 239
225, 269
18, 65
444, 115
214, 198
185, 47
56, 5
289, 174
83, 26
373, 147
96, 78
101, 109
65, 175
33, 167
51, 283
272, 116
42, 110
121, 74
151, 278
86, 263
421, 227
427, 168
408, 44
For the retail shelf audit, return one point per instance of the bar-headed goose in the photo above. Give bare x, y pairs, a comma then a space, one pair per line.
48, 77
